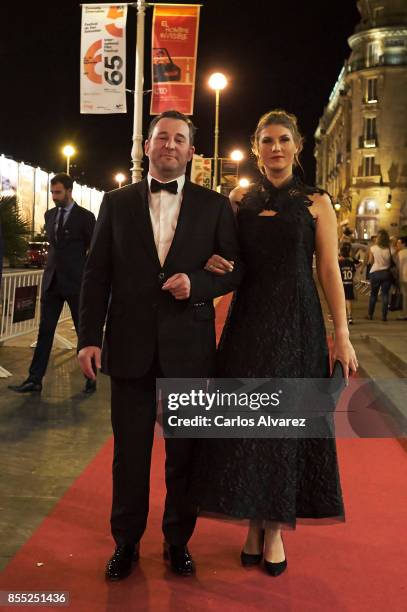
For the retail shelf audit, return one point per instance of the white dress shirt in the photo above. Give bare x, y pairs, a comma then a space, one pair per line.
164, 211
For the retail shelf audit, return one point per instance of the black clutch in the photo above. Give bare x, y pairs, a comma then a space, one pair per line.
337, 381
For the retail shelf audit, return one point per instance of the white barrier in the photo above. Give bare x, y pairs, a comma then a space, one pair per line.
8, 330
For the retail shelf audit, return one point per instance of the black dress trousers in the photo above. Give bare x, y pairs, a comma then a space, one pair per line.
52, 302
133, 420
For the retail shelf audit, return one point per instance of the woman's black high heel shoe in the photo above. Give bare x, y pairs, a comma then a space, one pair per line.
275, 569
249, 560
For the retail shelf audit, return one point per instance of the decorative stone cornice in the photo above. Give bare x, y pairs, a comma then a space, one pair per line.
377, 33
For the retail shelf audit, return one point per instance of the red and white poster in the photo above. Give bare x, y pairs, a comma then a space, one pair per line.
103, 58
201, 171
173, 57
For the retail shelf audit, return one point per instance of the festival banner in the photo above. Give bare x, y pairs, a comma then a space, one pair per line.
201, 171
103, 59
173, 57
228, 175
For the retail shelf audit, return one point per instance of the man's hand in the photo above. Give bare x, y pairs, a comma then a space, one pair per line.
85, 357
178, 285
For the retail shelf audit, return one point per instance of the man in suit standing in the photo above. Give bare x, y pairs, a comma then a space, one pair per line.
69, 229
146, 272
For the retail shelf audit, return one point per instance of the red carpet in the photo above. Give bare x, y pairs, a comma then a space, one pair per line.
356, 566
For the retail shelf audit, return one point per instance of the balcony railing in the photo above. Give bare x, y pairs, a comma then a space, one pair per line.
368, 143
383, 60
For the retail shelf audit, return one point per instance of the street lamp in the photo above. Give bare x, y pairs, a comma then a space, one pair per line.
217, 81
119, 178
337, 206
68, 151
237, 156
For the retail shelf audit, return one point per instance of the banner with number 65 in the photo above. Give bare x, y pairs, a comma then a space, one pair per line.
103, 59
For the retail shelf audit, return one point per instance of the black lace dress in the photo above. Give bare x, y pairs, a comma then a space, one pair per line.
274, 328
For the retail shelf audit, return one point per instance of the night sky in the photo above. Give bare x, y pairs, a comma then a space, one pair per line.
288, 55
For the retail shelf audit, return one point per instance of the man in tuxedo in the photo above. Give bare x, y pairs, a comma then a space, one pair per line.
69, 229
146, 272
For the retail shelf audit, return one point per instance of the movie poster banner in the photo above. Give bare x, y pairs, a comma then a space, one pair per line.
228, 178
103, 59
201, 171
173, 57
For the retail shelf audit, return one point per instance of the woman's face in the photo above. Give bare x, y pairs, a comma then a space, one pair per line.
277, 149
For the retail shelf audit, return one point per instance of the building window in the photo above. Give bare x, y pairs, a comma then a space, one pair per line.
394, 42
368, 207
371, 90
372, 53
368, 165
369, 132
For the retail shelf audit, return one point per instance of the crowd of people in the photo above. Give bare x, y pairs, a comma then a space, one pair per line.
385, 268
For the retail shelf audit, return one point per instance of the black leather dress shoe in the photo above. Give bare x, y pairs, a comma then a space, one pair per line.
180, 559
121, 563
90, 386
28, 386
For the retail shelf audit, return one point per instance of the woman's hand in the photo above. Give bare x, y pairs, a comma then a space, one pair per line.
217, 265
344, 352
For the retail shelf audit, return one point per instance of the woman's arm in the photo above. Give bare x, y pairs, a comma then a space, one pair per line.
330, 279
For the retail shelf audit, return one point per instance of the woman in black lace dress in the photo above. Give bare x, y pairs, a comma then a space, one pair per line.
275, 328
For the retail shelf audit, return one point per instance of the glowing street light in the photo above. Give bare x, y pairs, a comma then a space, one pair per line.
237, 156
68, 151
337, 206
244, 182
217, 82
119, 178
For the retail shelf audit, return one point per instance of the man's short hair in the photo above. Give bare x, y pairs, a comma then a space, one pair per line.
173, 114
64, 178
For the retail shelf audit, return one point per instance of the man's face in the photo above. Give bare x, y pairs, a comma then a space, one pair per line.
60, 195
169, 149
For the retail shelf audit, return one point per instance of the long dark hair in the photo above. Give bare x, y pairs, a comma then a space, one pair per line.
383, 239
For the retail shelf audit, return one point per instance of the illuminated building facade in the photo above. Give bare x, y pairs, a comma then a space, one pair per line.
361, 139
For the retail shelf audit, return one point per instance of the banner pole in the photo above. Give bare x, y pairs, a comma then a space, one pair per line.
137, 148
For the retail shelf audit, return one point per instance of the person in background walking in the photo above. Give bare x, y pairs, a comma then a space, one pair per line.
365, 264
69, 229
347, 265
401, 260
380, 276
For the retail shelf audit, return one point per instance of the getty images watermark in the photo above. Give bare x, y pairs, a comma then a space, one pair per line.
278, 408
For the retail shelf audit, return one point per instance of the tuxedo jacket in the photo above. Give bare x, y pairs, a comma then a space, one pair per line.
123, 278
66, 258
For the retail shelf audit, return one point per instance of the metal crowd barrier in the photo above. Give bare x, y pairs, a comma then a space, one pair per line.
8, 330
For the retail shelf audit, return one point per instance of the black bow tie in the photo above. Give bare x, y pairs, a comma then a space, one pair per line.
155, 186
